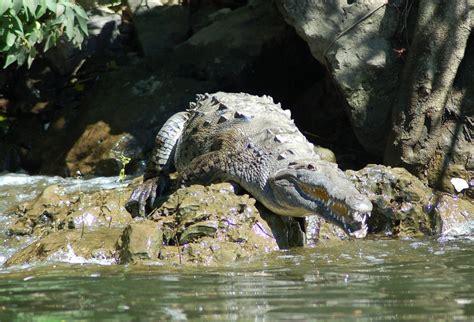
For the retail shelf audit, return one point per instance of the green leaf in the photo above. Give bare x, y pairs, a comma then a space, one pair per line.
69, 22
51, 5
80, 12
5, 5
17, 4
11, 58
66, 3
33, 37
31, 56
41, 10
83, 25
60, 9
50, 42
21, 56
11, 37
17, 26
30, 5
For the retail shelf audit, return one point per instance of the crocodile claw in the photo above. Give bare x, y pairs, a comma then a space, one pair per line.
143, 198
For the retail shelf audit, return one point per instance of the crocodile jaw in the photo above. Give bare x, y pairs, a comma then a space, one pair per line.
324, 190
349, 215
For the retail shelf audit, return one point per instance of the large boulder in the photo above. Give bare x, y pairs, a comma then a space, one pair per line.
353, 40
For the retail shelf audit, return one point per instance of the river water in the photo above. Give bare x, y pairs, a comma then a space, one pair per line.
413, 279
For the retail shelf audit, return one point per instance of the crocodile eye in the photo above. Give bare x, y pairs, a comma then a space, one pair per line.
249, 146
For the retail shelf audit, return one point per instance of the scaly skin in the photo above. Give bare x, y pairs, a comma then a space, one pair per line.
251, 141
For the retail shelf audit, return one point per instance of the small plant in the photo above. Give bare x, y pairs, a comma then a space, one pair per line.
123, 161
31, 27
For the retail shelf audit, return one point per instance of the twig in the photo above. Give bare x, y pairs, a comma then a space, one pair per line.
345, 31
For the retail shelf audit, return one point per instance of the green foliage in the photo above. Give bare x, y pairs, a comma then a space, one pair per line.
31, 27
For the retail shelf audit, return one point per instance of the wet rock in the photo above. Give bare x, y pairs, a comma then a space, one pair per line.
401, 201
404, 206
74, 246
197, 231
287, 231
141, 241
55, 210
319, 230
454, 216
205, 225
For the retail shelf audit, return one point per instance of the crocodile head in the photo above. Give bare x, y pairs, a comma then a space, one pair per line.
319, 187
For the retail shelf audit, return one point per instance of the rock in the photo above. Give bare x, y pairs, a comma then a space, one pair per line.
360, 59
138, 6
226, 50
55, 210
325, 154
441, 173
319, 230
455, 216
405, 207
401, 201
141, 241
74, 246
173, 29
103, 36
10, 157
205, 225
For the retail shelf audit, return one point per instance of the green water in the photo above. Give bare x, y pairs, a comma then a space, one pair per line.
365, 280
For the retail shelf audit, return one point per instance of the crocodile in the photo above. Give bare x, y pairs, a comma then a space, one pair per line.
252, 142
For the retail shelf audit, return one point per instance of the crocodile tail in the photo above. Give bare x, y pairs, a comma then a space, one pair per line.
162, 156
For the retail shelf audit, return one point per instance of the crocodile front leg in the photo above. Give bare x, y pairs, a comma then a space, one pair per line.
143, 197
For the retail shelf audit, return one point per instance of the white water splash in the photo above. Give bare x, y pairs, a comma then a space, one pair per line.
69, 256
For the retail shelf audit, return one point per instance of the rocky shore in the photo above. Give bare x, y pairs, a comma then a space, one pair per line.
213, 225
